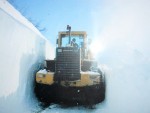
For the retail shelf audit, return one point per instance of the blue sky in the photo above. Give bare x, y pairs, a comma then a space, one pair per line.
54, 15
109, 23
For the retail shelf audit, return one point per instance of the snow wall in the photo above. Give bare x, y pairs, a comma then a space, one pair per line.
22, 50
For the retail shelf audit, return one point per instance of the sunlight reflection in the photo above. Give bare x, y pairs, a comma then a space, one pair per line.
96, 47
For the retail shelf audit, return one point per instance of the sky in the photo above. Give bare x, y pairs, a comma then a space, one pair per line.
55, 15
109, 23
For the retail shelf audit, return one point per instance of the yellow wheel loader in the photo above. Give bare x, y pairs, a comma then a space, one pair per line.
73, 77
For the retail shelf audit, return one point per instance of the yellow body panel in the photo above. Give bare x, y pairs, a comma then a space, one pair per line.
87, 79
47, 78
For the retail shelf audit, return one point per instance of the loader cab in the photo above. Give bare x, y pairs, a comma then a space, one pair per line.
79, 36
63, 40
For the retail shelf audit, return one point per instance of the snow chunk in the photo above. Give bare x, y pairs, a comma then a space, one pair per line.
42, 71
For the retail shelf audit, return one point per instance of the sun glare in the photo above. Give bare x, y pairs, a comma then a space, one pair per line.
96, 47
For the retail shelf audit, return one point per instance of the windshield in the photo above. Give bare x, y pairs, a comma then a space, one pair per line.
78, 40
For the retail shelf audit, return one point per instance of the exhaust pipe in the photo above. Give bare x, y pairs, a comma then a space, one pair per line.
69, 30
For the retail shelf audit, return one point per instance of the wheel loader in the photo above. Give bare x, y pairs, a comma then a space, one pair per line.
73, 77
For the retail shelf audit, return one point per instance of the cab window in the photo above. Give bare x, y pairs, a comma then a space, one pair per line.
65, 41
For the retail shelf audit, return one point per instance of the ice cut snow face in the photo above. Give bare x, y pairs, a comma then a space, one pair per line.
22, 50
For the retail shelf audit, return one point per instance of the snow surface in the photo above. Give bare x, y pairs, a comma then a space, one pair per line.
42, 71
17, 15
125, 59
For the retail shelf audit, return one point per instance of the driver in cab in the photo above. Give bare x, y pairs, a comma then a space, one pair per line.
73, 43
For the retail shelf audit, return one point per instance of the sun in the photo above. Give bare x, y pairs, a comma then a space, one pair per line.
96, 47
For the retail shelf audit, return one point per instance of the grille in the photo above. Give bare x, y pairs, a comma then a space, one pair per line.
67, 64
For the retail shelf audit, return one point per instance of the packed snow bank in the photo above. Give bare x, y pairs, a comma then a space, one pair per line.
22, 51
